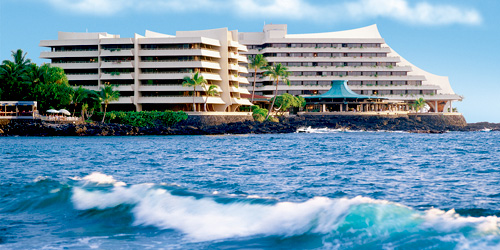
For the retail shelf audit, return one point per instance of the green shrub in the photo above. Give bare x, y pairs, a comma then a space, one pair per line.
273, 119
259, 114
142, 118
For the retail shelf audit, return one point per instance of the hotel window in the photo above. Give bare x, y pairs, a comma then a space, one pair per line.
296, 45
352, 64
354, 83
309, 83
325, 54
323, 64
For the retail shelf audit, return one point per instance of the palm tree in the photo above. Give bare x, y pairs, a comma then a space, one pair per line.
107, 95
276, 72
193, 81
14, 76
210, 91
419, 103
79, 95
257, 62
20, 58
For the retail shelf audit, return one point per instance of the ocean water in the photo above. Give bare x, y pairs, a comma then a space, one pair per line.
324, 190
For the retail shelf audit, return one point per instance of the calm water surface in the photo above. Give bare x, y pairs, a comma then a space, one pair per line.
335, 190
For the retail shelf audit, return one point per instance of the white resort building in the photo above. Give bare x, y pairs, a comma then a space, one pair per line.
149, 70
360, 56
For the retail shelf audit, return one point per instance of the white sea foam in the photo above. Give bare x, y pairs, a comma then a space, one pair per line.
205, 219
99, 178
320, 130
40, 178
448, 221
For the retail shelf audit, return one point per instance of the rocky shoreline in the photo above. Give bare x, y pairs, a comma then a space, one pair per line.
416, 124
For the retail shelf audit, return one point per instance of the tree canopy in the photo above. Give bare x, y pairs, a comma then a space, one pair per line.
285, 101
22, 80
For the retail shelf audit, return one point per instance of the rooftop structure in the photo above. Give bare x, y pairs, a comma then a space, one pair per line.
149, 70
360, 56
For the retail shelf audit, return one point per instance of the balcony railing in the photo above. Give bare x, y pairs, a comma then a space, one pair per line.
179, 49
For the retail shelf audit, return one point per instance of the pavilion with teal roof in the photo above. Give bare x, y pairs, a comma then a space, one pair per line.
341, 99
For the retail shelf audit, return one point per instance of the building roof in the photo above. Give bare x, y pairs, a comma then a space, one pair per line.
340, 90
368, 32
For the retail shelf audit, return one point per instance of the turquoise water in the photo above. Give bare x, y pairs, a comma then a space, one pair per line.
332, 190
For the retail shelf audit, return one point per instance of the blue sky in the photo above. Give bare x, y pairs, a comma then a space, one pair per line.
455, 38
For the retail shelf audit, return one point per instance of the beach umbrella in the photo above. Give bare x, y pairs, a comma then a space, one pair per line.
53, 111
64, 111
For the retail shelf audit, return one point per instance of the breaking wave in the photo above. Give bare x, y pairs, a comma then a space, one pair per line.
207, 217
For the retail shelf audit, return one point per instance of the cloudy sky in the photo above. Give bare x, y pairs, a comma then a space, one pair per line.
455, 38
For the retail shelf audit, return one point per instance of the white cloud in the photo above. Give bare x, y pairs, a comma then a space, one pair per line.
420, 13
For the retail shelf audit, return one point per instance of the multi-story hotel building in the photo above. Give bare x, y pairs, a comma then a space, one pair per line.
359, 56
149, 70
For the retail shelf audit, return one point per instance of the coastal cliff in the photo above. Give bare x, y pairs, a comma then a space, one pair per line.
196, 125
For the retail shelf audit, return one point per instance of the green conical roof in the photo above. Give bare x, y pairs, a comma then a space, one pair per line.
340, 90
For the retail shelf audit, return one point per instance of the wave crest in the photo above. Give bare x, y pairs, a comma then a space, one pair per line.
202, 217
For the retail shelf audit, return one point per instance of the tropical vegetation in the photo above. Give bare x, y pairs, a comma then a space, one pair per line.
210, 90
142, 118
256, 62
22, 80
277, 72
419, 104
106, 95
259, 114
285, 101
195, 80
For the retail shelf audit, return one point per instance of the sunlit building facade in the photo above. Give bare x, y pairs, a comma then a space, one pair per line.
149, 70
360, 56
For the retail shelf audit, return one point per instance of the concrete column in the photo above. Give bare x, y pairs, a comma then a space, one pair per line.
323, 108
436, 106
